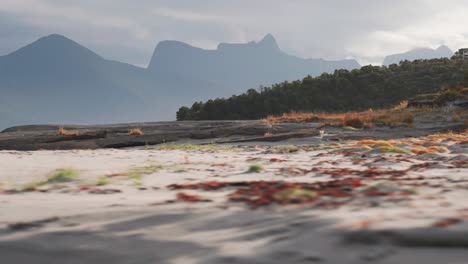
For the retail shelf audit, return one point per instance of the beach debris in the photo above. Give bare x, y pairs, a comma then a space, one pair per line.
294, 194
447, 222
185, 197
277, 160
104, 191
384, 188
61, 176
255, 168
285, 149
95, 190
327, 194
221, 165
294, 171
371, 172
20, 226
390, 149
103, 181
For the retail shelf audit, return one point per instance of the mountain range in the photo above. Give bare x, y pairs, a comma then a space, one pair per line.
419, 53
56, 80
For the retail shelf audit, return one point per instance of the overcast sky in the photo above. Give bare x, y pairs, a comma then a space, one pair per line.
128, 30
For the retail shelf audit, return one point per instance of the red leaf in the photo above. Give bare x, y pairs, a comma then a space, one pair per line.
184, 197
447, 222
219, 165
277, 160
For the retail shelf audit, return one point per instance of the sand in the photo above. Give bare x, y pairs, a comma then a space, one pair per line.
119, 209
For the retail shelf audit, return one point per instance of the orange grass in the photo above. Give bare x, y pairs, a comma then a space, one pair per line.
429, 150
375, 142
135, 132
63, 132
352, 119
460, 138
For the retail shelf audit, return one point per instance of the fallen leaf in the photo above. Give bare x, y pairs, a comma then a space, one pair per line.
184, 197
447, 222
277, 160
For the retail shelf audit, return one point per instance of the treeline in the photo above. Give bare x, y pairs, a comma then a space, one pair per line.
360, 89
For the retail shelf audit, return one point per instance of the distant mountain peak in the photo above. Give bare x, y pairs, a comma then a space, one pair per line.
55, 40
268, 41
444, 48
55, 45
419, 53
172, 43
54, 37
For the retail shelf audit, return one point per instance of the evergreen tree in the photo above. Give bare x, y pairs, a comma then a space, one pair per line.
359, 89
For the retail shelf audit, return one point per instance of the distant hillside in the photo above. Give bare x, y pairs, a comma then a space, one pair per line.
56, 80
368, 87
421, 53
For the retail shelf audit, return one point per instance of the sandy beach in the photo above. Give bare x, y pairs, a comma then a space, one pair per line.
233, 132
394, 201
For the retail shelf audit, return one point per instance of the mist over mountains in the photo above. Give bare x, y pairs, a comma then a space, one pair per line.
56, 80
234, 68
419, 53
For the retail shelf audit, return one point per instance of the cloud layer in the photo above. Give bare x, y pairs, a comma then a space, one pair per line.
126, 30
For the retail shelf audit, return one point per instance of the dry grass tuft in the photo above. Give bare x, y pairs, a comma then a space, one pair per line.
63, 132
353, 120
375, 142
429, 150
135, 132
459, 138
292, 117
401, 106
397, 115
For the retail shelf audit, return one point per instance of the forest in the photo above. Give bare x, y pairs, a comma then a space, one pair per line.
360, 89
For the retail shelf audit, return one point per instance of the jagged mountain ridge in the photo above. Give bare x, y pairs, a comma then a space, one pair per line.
239, 66
57, 80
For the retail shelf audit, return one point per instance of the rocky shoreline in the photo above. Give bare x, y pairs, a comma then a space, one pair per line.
36, 137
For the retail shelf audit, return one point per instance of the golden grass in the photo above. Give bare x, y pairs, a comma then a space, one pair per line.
301, 117
398, 114
63, 132
375, 142
430, 144
402, 105
392, 149
450, 135
135, 132
430, 150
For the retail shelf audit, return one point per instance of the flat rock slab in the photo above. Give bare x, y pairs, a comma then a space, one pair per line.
34, 137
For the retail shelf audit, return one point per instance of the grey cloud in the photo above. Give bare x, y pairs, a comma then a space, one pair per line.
129, 30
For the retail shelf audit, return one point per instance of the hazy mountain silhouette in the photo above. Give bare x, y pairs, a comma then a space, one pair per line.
420, 53
56, 80
233, 68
